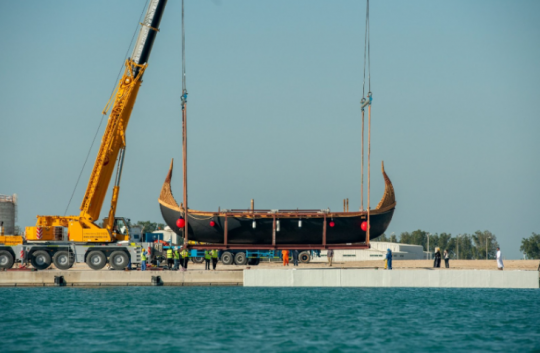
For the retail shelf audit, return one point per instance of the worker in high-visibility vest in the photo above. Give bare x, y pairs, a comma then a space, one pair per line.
214, 253
207, 258
185, 258
143, 260
169, 258
176, 257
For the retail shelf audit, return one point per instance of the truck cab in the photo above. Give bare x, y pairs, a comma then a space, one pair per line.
124, 231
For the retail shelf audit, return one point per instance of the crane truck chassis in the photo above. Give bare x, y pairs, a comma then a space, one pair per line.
64, 254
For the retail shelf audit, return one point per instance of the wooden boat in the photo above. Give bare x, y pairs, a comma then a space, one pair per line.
316, 228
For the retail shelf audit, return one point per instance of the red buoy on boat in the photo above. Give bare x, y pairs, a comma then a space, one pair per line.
331, 224
212, 224
363, 226
181, 223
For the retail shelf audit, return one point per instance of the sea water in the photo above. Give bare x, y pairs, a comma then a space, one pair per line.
166, 319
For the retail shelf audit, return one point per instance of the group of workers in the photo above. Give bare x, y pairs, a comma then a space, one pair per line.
211, 255
176, 258
296, 253
285, 257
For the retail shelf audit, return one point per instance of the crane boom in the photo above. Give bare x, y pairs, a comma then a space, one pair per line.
82, 228
114, 136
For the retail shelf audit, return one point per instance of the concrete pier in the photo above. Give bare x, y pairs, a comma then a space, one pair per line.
120, 278
261, 277
395, 278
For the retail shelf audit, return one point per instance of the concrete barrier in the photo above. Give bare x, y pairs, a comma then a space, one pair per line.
121, 278
395, 278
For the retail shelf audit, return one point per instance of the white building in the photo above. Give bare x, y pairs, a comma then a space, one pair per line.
169, 236
377, 252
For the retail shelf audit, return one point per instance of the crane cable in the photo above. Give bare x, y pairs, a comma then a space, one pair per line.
104, 113
364, 102
184, 129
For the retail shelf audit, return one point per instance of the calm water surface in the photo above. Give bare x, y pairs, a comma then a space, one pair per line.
268, 319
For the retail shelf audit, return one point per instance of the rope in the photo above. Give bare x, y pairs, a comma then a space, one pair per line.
184, 128
362, 182
103, 114
367, 63
367, 56
183, 52
368, 173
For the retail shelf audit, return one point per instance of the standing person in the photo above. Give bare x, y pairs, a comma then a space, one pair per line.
295, 257
169, 258
176, 258
330, 256
285, 254
437, 258
389, 258
446, 258
214, 253
185, 258
500, 264
159, 258
143, 260
207, 258
149, 255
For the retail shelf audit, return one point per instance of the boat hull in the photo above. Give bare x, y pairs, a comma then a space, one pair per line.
240, 230
282, 227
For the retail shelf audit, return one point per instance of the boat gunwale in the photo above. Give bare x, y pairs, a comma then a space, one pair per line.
254, 214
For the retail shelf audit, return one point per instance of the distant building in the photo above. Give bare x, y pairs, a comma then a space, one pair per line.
377, 252
8, 213
166, 234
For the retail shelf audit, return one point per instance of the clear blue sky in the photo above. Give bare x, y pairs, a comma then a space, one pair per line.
274, 90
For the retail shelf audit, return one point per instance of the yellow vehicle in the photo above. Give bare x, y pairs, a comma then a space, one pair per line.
83, 230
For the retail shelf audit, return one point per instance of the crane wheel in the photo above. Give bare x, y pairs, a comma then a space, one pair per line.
227, 258
41, 260
304, 257
6, 260
96, 260
62, 260
240, 258
119, 260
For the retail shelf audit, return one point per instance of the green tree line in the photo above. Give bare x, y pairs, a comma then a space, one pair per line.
479, 245
531, 246
149, 226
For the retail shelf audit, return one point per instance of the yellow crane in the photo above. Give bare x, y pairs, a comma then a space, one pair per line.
83, 228
87, 241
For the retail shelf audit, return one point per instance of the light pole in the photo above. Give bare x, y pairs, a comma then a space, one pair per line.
429, 254
487, 247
